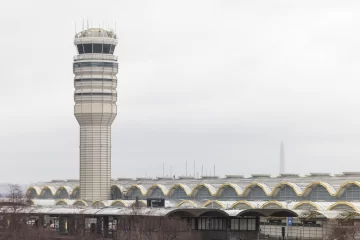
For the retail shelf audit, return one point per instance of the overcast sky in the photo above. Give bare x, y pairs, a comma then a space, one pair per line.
219, 82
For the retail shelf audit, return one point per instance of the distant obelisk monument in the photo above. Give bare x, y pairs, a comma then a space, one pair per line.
282, 158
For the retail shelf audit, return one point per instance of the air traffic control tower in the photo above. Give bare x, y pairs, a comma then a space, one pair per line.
95, 68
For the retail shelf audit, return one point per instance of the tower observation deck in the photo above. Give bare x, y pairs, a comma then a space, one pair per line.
95, 68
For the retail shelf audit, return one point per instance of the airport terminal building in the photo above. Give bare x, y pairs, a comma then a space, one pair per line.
311, 201
233, 207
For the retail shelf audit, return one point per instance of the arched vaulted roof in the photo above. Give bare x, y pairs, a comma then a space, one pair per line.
120, 187
242, 202
345, 185
322, 206
67, 202
222, 204
263, 186
140, 187
211, 202
237, 188
37, 190
211, 189
192, 203
294, 186
326, 185
163, 188
51, 188
185, 187
354, 206
142, 203
76, 188
124, 203
67, 188
198, 212
273, 202
306, 203
103, 203
80, 202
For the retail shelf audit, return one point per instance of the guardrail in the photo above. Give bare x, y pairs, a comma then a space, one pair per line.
95, 57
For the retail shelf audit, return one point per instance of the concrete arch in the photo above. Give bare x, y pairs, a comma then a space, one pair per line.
187, 202
77, 188
62, 202
140, 187
274, 203
120, 187
237, 188
186, 189
163, 189
99, 204
198, 212
308, 203
36, 189
50, 188
268, 213
125, 204
345, 185
142, 203
117, 192
348, 204
210, 202
211, 189
67, 189
326, 185
263, 186
294, 186
80, 202
242, 202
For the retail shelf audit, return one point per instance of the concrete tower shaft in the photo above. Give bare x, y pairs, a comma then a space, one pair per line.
95, 68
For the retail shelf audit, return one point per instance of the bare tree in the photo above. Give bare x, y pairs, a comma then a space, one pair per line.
344, 230
14, 218
143, 224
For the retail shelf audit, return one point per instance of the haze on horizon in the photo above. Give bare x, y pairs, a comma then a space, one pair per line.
219, 82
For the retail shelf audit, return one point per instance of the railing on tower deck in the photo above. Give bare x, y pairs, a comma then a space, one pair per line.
95, 56
96, 32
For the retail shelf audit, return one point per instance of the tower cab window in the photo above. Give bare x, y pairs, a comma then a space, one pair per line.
95, 48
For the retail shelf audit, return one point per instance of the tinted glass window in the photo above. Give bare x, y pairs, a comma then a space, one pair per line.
97, 48
80, 49
88, 48
112, 49
106, 48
